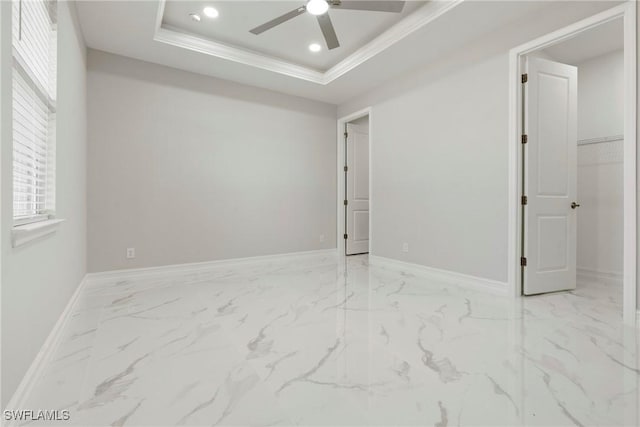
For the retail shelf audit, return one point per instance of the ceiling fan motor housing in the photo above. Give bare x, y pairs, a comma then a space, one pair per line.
320, 9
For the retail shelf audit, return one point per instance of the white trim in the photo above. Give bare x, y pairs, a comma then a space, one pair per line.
436, 274
627, 11
22, 234
198, 44
45, 353
196, 267
629, 164
403, 28
340, 220
31, 219
413, 22
610, 276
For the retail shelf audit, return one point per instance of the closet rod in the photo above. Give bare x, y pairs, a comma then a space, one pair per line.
601, 139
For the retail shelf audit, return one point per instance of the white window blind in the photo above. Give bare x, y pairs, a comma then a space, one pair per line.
34, 112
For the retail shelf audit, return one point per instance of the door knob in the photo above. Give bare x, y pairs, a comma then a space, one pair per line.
574, 205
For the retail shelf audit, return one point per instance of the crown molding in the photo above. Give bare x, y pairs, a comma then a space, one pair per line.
411, 23
176, 38
400, 30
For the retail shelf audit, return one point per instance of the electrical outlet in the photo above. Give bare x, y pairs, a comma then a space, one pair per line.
405, 247
131, 253
322, 238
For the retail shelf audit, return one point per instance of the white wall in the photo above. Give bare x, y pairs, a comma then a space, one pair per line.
188, 168
439, 152
600, 172
601, 96
39, 278
637, 153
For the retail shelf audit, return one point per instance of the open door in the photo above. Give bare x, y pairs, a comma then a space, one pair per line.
357, 183
550, 177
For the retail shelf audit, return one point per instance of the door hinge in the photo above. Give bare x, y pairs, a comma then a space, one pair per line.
346, 168
524, 200
523, 261
346, 202
525, 78
346, 236
525, 139
346, 135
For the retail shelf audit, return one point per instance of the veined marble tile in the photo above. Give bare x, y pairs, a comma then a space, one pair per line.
328, 341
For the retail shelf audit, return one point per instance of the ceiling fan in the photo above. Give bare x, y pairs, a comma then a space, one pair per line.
320, 9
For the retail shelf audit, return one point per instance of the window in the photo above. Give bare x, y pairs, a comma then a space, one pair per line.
34, 39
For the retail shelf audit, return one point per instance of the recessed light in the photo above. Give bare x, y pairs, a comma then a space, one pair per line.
211, 12
315, 47
195, 17
317, 7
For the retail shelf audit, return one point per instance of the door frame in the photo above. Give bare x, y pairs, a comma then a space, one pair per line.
626, 11
340, 211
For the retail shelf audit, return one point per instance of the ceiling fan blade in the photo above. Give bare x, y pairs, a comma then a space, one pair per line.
328, 31
279, 20
375, 6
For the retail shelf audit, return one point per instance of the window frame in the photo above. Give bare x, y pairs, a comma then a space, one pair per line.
46, 213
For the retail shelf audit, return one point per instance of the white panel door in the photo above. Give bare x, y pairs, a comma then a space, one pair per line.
550, 178
357, 176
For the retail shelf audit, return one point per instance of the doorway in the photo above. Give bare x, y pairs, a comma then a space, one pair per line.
575, 162
354, 183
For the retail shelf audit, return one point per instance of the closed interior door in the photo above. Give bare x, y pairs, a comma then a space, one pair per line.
550, 177
357, 180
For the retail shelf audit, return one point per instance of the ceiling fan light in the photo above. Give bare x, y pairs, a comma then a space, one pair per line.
317, 7
211, 12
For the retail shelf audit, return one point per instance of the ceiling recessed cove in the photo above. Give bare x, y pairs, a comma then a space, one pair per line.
267, 34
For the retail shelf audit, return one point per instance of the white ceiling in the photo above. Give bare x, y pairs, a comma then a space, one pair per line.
130, 28
603, 39
288, 41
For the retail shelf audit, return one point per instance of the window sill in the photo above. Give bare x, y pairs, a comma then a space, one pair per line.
23, 234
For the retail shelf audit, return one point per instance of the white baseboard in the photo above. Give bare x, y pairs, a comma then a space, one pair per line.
588, 273
462, 280
45, 353
136, 273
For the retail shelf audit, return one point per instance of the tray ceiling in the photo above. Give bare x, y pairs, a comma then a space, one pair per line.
133, 29
288, 41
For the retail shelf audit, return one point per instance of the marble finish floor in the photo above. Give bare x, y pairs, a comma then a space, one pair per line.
324, 341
